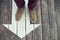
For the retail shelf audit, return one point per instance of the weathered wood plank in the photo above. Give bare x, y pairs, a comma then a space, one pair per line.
57, 9
45, 21
6, 11
52, 20
0, 11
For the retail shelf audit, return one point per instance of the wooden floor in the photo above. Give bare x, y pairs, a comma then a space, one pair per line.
50, 19
23, 26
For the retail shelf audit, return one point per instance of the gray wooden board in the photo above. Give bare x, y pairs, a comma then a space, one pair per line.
45, 21
52, 20
57, 10
0, 11
5, 11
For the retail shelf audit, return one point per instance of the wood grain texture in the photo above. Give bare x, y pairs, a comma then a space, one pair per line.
45, 20
57, 10
52, 20
5, 11
0, 11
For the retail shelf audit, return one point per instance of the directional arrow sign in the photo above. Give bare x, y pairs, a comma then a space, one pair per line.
22, 27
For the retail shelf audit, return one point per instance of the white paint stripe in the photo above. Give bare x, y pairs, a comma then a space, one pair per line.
21, 26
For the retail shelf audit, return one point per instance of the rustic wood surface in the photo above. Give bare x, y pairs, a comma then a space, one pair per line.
5, 11
50, 19
57, 9
45, 20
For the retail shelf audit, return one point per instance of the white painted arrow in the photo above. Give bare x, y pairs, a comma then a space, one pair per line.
22, 27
